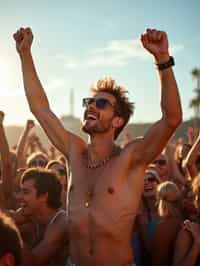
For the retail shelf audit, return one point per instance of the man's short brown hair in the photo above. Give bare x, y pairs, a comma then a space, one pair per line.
45, 181
124, 108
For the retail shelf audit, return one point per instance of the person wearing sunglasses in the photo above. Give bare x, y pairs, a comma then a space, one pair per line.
37, 159
170, 212
106, 182
147, 217
60, 169
162, 167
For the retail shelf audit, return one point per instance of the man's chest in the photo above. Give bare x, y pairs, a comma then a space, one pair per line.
102, 194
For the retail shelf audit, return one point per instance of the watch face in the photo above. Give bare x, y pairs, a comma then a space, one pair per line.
167, 64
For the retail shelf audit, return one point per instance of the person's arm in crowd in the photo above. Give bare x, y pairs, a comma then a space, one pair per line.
4, 147
53, 242
142, 220
189, 163
162, 241
7, 168
40, 146
154, 141
190, 135
187, 247
22, 143
31, 144
52, 152
63, 140
174, 171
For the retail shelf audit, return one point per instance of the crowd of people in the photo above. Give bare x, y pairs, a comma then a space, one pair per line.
98, 203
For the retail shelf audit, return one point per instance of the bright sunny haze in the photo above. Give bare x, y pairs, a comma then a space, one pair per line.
77, 42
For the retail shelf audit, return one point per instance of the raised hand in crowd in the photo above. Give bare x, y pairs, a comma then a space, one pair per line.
22, 145
52, 152
9, 165
190, 135
23, 38
174, 171
36, 96
192, 161
187, 251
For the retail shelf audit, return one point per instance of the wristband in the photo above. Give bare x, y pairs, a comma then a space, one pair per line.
167, 64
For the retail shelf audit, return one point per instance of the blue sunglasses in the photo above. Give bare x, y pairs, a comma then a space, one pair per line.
100, 103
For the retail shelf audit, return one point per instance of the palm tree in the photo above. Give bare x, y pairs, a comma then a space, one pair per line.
196, 75
195, 102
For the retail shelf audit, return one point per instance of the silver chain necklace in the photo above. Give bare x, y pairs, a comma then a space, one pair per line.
99, 163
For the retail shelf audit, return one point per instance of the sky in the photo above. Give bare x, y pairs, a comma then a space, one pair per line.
77, 42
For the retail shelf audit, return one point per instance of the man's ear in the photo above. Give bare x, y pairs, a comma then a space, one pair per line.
118, 122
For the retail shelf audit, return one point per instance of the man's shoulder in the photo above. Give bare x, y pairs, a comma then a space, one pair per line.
134, 150
58, 226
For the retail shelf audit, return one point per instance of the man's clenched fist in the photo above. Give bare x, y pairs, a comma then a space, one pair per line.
23, 38
1, 116
156, 43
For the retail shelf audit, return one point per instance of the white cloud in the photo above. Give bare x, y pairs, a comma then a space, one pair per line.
176, 48
116, 53
55, 84
72, 64
7, 92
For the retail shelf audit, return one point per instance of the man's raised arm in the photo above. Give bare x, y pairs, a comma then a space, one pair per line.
8, 171
37, 98
156, 43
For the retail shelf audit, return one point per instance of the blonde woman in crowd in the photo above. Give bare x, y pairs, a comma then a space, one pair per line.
170, 213
187, 248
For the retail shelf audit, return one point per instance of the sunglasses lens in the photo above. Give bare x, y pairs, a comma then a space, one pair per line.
84, 104
36, 163
41, 163
33, 164
160, 162
100, 103
87, 101
151, 179
61, 171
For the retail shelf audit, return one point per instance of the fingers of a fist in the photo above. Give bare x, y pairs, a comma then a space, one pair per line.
30, 123
152, 35
2, 114
22, 33
190, 226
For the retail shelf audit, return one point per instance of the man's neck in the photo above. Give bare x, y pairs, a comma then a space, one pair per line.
46, 215
100, 148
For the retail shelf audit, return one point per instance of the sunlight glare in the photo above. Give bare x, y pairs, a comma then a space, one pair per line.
4, 76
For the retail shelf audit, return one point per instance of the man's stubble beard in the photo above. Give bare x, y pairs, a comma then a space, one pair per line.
90, 130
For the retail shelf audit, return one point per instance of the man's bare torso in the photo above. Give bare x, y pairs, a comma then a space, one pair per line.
102, 204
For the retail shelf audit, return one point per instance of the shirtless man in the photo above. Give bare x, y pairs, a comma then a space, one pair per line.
106, 183
41, 200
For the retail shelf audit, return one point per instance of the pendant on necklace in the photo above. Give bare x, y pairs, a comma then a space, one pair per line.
89, 196
87, 204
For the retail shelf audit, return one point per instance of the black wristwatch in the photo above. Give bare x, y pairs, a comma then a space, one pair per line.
167, 64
